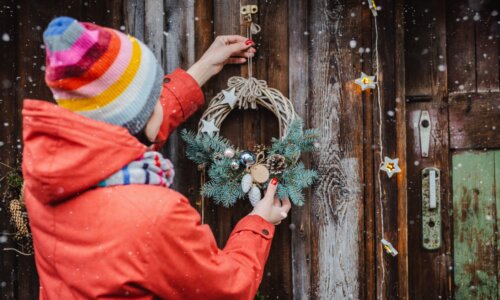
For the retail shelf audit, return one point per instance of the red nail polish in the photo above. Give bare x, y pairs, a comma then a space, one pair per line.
274, 181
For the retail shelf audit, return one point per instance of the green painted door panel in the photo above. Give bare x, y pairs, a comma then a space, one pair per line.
497, 194
474, 225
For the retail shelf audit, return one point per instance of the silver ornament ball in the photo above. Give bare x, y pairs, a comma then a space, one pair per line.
235, 165
247, 158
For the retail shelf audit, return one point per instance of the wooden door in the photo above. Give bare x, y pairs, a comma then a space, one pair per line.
452, 72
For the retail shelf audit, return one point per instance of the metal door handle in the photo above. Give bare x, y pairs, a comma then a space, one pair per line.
431, 209
425, 133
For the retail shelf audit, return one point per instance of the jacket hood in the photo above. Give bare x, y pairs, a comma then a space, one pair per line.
66, 153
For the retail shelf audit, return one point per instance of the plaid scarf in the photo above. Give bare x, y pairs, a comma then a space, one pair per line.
150, 168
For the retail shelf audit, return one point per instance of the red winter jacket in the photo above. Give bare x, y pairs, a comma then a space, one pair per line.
130, 241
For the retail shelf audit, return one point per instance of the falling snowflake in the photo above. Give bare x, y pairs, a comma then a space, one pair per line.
5, 37
353, 44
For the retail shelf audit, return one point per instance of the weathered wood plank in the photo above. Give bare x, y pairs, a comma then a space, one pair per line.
400, 111
487, 51
430, 275
420, 29
474, 121
368, 272
430, 272
204, 36
179, 52
226, 18
271, 64
134, 17
154, 26
335, 108
386, 189
474, 225
461, 47
8, 149
298, 80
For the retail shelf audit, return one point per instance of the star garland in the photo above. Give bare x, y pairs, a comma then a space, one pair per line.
389, 165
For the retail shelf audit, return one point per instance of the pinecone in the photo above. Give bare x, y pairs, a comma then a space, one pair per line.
218, 156
19, 219
259, 148
276, 163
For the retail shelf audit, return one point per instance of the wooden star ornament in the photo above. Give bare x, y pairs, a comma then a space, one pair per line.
390, 166
365, 81
230, 97
209, 127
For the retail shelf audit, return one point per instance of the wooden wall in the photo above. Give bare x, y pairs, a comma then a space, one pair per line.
329, 248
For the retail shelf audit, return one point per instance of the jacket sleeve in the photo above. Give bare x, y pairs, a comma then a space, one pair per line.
186, 263
181, 97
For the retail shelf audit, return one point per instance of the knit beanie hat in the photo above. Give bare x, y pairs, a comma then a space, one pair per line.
101, 73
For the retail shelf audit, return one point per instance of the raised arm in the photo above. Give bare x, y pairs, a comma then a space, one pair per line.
185, 262
181, 94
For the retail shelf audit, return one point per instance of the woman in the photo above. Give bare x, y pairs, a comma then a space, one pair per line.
104, 222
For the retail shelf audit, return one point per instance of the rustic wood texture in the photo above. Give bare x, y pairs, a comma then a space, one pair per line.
336, 109
271, 64
298, 61
368, 264
430, 272
486, 31
384, 115
401, 140
474, 219
473, 46
474, 121
179, 52
461, 47
9, 154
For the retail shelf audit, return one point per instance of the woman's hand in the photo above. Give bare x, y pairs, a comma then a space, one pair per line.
226, 49
270, 208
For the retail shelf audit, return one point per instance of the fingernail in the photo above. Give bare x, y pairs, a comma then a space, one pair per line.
248, 42
274, 181
284, 214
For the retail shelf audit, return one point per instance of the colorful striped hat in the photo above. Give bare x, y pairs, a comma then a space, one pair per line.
101, 73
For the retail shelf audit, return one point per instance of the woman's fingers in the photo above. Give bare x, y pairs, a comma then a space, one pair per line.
236, 60
246, 54
230, 39
286, 205
271, 190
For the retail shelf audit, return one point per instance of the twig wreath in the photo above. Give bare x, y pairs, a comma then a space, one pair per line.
235, 173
